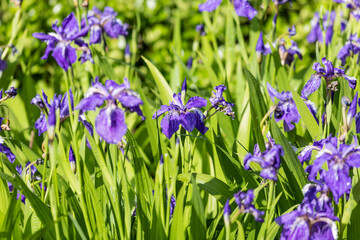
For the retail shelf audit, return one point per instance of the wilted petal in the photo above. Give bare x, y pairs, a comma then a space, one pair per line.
209, 6
311, 86
110, 124
170, 124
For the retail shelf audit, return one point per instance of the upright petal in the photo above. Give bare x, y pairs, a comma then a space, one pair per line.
197, 102
110, 124
70, 26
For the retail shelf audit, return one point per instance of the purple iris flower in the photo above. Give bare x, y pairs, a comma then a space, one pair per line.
305, 154
189, 63
110, 123
340, 159
244, 200
188, 115
172, 205
311, 219
242, 7
350, 48
218, 102
49, 109
261, 48
104, 22
285, 109
287, 55
328, 26
86, 52
329, 73
269, 160
58, 42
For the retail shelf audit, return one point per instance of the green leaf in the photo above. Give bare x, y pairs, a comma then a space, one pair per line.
198, 224
166, 94
291, 164
309, 120
213, 186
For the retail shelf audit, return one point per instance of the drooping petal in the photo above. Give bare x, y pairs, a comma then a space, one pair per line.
200, 125
244, 9
170, 124
110, 124
209, 5
7, 151
44, 37
352, 81
41, 124
338, 180
90, 103
65, 55
188, 121
353, 160
130, 101
344, 53
311, 86
95, 34
163, 109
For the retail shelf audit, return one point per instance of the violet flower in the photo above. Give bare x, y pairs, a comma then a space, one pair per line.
104, 23
269, 160
11, 92
261, 48
188, 115
340, 159
242, 7
72, 159
311, 219
244, 200
285, 109
218, 102
305, 154
49, 109
328, 26
110, 122
19, 169
329, 73
58, 42
287, 55
350, 48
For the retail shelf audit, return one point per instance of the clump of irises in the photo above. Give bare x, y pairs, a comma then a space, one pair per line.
313, 219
